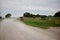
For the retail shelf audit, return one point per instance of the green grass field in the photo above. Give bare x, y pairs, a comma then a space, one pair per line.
40, 23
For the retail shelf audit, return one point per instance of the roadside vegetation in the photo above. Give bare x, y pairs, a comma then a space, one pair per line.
38, 22
41, 21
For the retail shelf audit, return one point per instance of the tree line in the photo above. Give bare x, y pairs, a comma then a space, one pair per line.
27, 14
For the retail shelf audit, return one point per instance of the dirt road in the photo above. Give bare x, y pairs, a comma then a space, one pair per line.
11, 29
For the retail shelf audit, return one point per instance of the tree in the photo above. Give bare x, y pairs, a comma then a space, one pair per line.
57, 21
0, 17
57, 14
8, 15
37, 15
26, 14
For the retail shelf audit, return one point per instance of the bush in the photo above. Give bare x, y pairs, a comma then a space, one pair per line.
21, 18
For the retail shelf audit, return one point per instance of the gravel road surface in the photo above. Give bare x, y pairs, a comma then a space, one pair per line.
12, 29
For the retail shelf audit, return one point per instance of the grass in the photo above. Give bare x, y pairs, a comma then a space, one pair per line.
40, 23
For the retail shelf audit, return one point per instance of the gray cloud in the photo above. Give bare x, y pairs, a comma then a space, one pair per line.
45, 3
48, 7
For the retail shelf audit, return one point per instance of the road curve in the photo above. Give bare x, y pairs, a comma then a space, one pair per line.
11, 29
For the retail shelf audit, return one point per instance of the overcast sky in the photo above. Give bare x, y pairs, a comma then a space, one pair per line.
18, 7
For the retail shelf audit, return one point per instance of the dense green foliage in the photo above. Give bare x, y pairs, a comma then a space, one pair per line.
57, 14
41, 21
0, 17
27, 14
8, 15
